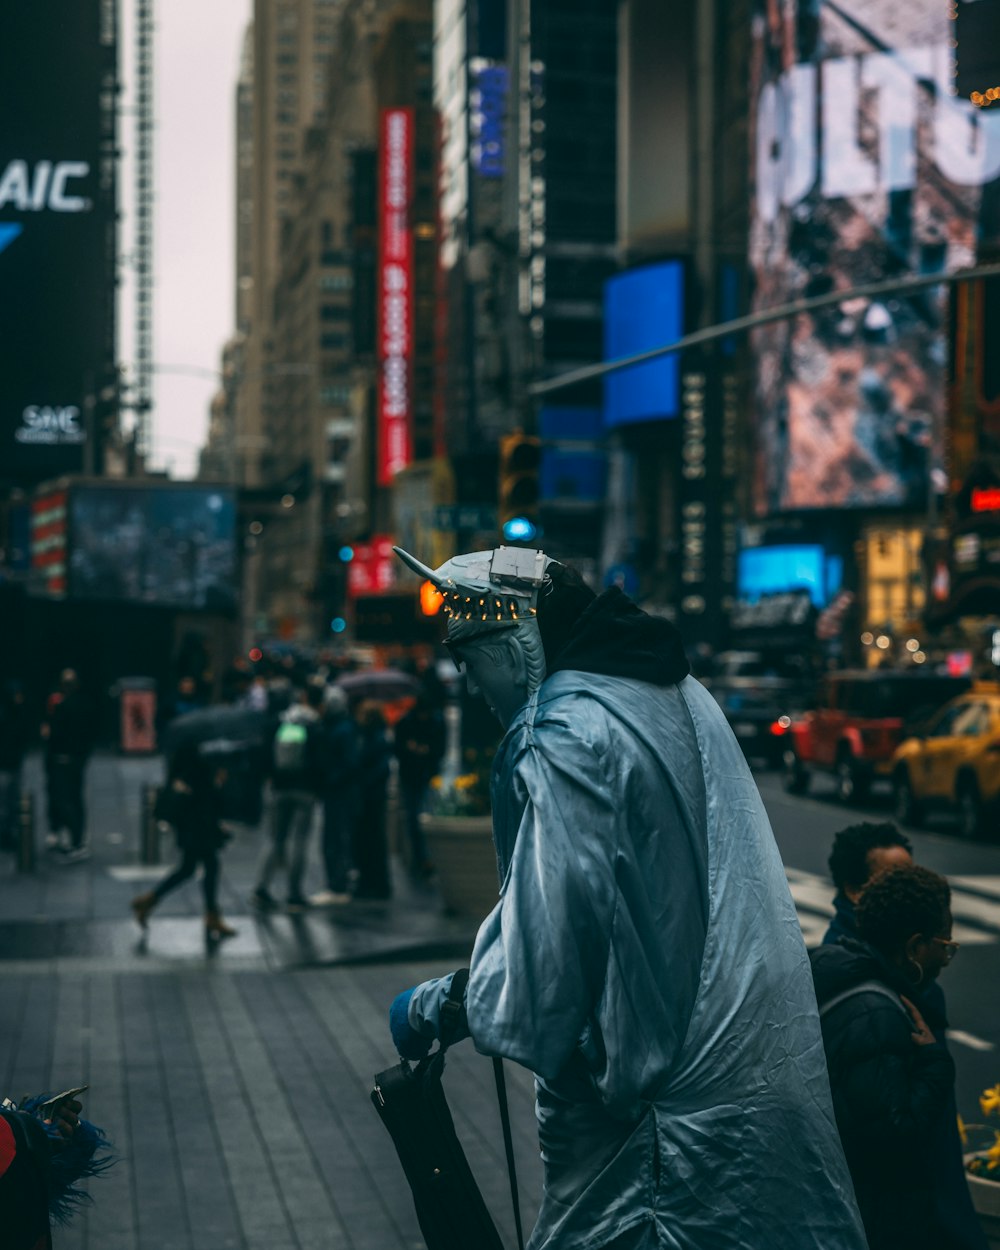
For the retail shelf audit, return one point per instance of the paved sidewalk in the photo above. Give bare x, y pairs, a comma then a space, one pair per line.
75, 916
234, 1080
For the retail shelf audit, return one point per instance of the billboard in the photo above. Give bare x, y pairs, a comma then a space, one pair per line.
395, 295
643, 309
865, 167
172, 546
56, 232
789, 567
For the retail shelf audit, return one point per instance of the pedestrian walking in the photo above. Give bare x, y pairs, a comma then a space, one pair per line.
371, 850
419, 741
892, 1079
193, 805
68, 736
644, 958
340, 799
296, 783
13, 745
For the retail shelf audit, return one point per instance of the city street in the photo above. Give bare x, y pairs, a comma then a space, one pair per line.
235, 1082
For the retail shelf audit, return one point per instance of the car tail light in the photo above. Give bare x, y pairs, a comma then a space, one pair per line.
781, 726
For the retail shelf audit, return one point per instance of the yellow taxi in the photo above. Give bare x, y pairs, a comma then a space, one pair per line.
953, 762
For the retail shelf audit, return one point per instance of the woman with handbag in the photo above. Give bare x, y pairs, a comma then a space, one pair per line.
191, 802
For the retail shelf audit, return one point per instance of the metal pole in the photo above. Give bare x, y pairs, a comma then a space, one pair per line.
26, 832
149, 849
785, 312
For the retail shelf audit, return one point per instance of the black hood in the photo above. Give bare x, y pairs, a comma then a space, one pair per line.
614, 637
849, 962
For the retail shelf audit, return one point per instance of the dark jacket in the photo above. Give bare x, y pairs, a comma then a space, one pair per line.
341, 751
374, 758
70, 726
890, 1097
24, 1212
420, 743
195, 800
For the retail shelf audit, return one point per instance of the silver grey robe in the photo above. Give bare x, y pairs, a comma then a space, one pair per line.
646, 963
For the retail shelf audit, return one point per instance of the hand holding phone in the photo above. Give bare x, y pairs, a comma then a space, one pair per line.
63, 1110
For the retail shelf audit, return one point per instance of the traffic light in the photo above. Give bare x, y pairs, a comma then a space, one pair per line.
520, 462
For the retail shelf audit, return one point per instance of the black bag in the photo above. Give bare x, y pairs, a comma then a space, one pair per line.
171, 805
411, 1103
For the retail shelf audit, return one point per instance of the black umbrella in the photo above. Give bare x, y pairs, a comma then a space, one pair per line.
379, 683
225, 724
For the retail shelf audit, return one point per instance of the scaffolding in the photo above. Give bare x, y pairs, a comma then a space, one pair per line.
143, 243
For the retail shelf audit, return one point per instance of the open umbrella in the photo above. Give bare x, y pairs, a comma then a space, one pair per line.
384, 684
222, 723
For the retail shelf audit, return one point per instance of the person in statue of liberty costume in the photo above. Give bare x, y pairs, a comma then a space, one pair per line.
644, 959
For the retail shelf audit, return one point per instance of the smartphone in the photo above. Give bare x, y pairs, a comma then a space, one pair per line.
47, 1108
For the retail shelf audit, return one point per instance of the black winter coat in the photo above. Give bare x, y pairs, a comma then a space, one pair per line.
890, 1097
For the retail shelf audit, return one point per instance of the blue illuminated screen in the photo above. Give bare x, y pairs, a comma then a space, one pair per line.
643, 309
773, 570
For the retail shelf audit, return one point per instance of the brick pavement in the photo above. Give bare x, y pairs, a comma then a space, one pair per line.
235, 1082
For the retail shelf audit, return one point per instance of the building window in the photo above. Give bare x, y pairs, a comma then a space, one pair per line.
334, 312
335, 282
330, 341
334, 396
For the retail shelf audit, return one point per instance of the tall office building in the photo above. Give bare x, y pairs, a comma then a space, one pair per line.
283, 86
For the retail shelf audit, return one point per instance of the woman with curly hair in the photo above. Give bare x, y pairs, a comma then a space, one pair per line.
892, 1079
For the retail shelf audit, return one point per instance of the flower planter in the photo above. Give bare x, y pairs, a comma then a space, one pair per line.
986, 1200
461, 850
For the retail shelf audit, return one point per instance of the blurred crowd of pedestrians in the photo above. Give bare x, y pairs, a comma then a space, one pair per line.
302, 747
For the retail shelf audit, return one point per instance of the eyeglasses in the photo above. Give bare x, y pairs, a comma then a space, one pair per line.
950, 947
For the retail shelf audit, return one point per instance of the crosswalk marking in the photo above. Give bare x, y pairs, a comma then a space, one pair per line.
813, 898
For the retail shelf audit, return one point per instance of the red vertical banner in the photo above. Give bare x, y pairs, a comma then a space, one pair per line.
395, 294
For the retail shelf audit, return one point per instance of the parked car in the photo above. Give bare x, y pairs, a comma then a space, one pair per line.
858, 721
953, 762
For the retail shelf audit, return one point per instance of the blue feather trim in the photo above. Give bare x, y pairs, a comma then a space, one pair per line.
86, 1154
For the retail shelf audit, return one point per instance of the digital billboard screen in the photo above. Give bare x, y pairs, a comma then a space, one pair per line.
56, 231
643, 309
783, 569
170, 546
865, 167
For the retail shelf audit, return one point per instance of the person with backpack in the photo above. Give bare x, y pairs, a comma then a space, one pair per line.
892, 1079
297, 778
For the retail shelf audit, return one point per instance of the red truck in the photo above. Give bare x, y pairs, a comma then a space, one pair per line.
860, 718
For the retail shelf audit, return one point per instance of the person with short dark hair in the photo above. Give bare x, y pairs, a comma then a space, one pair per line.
859, 852
892, 1079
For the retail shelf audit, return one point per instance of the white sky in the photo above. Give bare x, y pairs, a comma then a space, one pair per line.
198, 47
